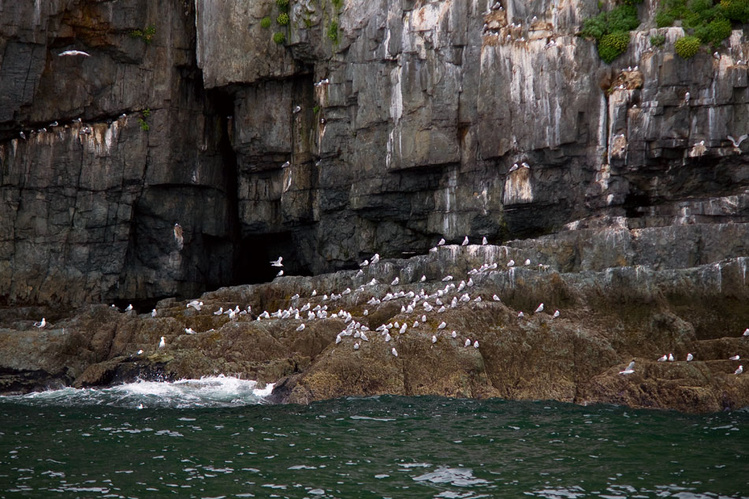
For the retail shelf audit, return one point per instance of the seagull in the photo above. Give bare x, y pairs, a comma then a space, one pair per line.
739, 370
189, 330
526, 165
153, 313
670, 357
403, 328
476, 344
41, 324
496, 298
197, 305
280, 273
434, 339
375, 258
423, 278
735, 357
690, 357
514, 167
664, 358
746, 332
394, 351
556, 314
465, 242
140, 352
521, 314
686, 98
629, 369
441, 242
527, 262
737, 143
22, 135
454, 334
484, 242
162, 343
129, 308
539, 309
468, 342
395, 282
277, 263
364, 263
286, 164
297, 109
356, 346
178, 235
219, 311
447, 278
301, 327
511, 263
442, 325
73, 52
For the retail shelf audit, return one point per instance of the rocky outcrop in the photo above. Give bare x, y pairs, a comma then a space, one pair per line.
375, 127
399, 340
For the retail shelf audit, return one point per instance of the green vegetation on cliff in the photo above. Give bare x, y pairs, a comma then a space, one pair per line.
708, 21
611, 29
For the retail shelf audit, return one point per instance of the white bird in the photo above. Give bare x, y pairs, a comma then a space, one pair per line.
476, 344
129, 308
219, 311
629, 369
162, 343
434, 339
454, 334
739, 370
140, 352
403, 328
73, 53
465, 242
670, 357
526, 165
514, 167
363, 336
395, 282
394, 351
387, 337
375, 258
301, 327
556, 314
280, 273
496, 298
424, 319
423, 278
737, 143
511, 263
277, 263
664, 358
197, 305
539, 309
468, 342
178, 238
477, 299
297, 109
441, 242
415, 324
356, 346
686, 98
232, 315
746, 332
41, 324
189, 330
690, 357
314, 292
447, 278
527, 261
521, 314
735, 357
366, 312
484, 242
153, 313
442, 325
364, 263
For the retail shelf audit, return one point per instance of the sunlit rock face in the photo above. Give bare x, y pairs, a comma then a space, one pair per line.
376, 126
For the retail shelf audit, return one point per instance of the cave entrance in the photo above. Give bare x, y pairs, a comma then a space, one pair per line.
256, 252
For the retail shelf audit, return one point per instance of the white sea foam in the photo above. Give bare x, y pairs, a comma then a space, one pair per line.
209, 391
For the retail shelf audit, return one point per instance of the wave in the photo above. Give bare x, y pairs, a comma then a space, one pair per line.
209, 391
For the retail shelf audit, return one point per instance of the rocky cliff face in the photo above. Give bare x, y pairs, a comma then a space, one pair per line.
377, 126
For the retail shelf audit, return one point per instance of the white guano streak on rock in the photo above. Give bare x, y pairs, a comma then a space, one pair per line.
396, 111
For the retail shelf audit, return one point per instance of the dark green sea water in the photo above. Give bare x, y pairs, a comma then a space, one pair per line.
188, 443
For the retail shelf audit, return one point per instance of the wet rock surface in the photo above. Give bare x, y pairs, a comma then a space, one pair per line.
394, 340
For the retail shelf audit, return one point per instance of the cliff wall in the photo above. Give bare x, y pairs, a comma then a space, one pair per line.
377, 126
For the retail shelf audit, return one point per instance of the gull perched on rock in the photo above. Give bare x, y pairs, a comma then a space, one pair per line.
663, 358
280, 273
670, 357
690, 357
162, 343
454, 334
735, 357
442, 325
153, 313
527, 262
41, 323
629, 369
465, 242
521, 314
746, 332
476, 344
496, 298
467, 342
375, 258
394, 351
539, 309
395, 282
484, 242
129, 308
277, 263
556, 314
511, 263
197, 305
189, 330
301, 327
739, 370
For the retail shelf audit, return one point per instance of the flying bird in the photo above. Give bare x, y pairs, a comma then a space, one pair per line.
629, 369
73, 53
178, 235
277, 263
737, 143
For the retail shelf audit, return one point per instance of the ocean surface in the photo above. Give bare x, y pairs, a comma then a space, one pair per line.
216, 438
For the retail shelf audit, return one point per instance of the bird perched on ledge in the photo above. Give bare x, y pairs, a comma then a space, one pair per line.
178, 235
